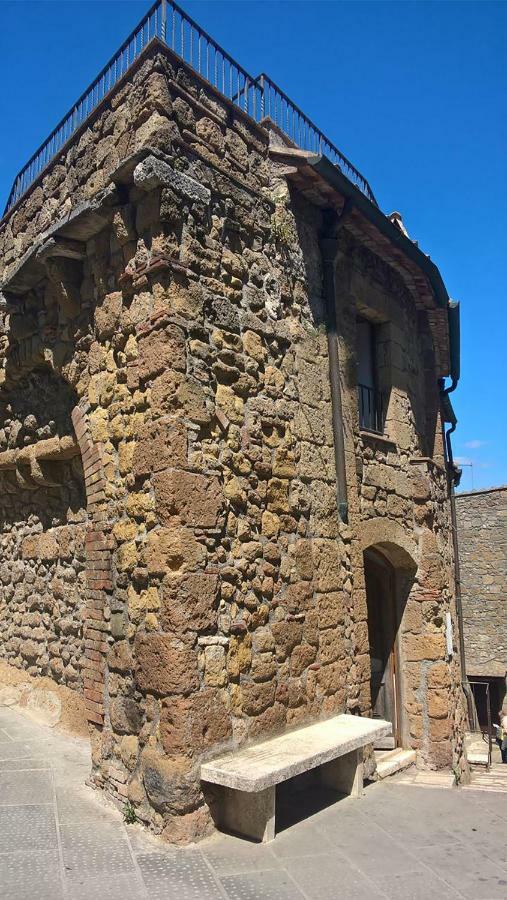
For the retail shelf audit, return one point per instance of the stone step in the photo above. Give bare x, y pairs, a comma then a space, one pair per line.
476, 758
391, 761
493, 779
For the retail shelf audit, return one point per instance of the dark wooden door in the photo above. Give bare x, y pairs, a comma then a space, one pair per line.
382, 636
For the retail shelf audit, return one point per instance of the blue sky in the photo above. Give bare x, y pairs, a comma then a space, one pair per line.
415, 94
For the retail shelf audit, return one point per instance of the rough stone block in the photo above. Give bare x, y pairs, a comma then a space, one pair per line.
256, 697
287, 635
152, 173
331, 609
126, 715
192, 724
119, 658
160, 444
173, 549
168, 782
40, 546
189, 603
327, 563
161, 349
162, 668
417, 647
195, 499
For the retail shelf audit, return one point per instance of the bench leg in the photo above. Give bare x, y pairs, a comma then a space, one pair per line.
345, 774
249, 814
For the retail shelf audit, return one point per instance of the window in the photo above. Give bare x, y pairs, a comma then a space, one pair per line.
371, 412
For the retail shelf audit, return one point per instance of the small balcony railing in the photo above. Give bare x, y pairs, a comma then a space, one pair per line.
258, 97
371, 409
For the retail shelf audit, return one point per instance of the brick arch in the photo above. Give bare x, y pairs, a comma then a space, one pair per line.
99, 568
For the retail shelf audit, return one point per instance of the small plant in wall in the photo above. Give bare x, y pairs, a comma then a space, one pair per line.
282, 228
129, 813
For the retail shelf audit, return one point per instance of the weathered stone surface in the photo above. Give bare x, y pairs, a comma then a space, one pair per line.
287, 635
173, 549
189, 603
162, 668
41, 546
160, 444
120, 657
257, 697
168, 782
482, 526
195, 499
424, 646
190, 725
161, 349
107, 316
126, 716
152, 173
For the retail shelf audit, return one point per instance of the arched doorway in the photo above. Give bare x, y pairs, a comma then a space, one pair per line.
388, 577
379, 578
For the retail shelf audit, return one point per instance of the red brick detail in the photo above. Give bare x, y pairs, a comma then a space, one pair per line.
99, 545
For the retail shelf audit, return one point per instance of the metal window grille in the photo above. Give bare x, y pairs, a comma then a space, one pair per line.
371, 409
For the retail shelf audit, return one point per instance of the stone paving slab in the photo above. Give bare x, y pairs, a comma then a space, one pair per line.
60, 841
26, 876
26, 786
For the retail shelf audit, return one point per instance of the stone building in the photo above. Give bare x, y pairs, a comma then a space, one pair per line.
482, 538
208, 529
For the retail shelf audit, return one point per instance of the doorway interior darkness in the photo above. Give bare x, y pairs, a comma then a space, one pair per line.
383, 623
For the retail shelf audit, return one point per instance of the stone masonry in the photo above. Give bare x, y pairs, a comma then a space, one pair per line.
482, 536
171, 543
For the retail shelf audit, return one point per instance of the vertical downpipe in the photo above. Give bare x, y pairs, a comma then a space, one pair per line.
328, 248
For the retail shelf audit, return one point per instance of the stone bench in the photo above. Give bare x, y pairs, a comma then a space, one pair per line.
249, 777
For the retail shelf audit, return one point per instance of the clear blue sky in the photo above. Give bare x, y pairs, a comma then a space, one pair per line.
415, 94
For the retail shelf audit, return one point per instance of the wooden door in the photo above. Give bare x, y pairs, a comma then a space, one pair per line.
382, 637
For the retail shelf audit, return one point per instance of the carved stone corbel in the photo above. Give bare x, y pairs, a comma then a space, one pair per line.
62, 259
33, 466
65, 276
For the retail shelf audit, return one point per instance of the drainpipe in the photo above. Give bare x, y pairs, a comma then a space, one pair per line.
454, 479
328, 243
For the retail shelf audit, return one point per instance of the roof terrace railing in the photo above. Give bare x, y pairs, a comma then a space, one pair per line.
258, 97
303, 132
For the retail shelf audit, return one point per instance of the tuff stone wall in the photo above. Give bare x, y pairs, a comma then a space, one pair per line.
42, 540
180, 300
482, 536
398, 499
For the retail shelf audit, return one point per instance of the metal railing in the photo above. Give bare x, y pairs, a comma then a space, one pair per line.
303, 132
258, 97
149, 27
486, 728
371, 409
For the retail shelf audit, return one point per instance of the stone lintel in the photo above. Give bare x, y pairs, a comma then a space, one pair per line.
84, 221
153, 172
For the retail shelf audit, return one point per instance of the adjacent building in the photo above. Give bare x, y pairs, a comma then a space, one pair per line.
482, 536
224, 493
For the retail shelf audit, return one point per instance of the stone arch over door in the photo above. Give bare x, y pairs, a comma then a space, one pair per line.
392, 539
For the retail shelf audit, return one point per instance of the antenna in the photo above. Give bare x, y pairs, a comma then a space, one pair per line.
471, 467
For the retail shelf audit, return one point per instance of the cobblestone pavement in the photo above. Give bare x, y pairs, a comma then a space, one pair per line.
59, 840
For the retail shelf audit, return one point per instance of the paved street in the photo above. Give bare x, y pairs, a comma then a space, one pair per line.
403, 842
